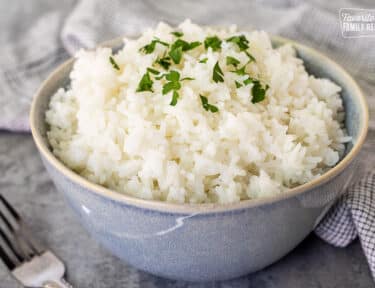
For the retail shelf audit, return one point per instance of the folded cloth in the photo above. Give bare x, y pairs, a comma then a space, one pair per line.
55, 35
352, 216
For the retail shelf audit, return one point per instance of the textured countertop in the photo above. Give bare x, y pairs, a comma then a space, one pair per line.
24, 181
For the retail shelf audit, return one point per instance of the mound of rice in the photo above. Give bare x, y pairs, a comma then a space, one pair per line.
138, 144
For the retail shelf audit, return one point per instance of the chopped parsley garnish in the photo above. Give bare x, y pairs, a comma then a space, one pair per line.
232, 61
153, 71
258, 91
240, 41
214, 42
176, 55
114, 64
173, 76
238, 84
187, 78
175, 97
180, 46
177, 33
169, 86
204, 60
248, 81
241, 71
164, 62
207, 106
149, 48
251, 57
173, 84
145, 84
217, 75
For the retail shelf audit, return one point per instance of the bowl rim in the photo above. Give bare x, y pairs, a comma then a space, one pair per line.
205, 208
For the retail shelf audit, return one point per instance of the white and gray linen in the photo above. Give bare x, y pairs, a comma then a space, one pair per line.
44, 40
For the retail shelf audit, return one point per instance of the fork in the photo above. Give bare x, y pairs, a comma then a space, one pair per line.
31, 265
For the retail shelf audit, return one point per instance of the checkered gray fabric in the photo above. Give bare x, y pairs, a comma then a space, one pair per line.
352, 216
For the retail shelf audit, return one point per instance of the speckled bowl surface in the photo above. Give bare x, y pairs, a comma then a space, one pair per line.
208, 241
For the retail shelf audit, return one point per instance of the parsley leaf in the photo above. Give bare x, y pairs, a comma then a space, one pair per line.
169, 86
248, 81
238, 84
214, 42
204, 60
149, 48
145, 84
207, 106
251, 57
179, 46
153, 71
240, 71
259, 93
241, 41
177, 33
176, 55
232, 61
164, 62
173, 76
175, 97
217, 75
114, 64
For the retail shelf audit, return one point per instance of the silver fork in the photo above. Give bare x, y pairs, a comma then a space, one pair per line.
28, 263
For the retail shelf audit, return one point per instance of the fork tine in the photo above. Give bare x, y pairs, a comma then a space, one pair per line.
26, 246
11, 246
6, 259
10, 208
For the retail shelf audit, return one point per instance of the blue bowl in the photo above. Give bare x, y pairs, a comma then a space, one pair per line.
205, 242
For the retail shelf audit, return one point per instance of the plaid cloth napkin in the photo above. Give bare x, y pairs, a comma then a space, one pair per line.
63, 28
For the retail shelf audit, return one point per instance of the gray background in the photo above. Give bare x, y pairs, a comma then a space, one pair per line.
24, 182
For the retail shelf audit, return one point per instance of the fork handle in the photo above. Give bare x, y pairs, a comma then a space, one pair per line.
57, 284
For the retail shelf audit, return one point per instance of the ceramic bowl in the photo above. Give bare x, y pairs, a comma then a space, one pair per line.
208, 241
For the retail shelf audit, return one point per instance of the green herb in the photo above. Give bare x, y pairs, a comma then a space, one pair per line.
258, 91
180, 46
153, 71
248, 81
187, 78
217, 75
251, 57
145, 84
169, 86
173, 85
204, 60
240, 41
241, 71
149, 48
214, 42
177, 34
173, 77
175, 97
238, 84
113, 62
232, 61
207, 106
176, 55
164, 62
160, 76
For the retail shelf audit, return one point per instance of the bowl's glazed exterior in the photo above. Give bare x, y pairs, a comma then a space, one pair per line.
211, 241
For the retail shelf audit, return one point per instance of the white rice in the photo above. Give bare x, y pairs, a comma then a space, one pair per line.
138, 144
